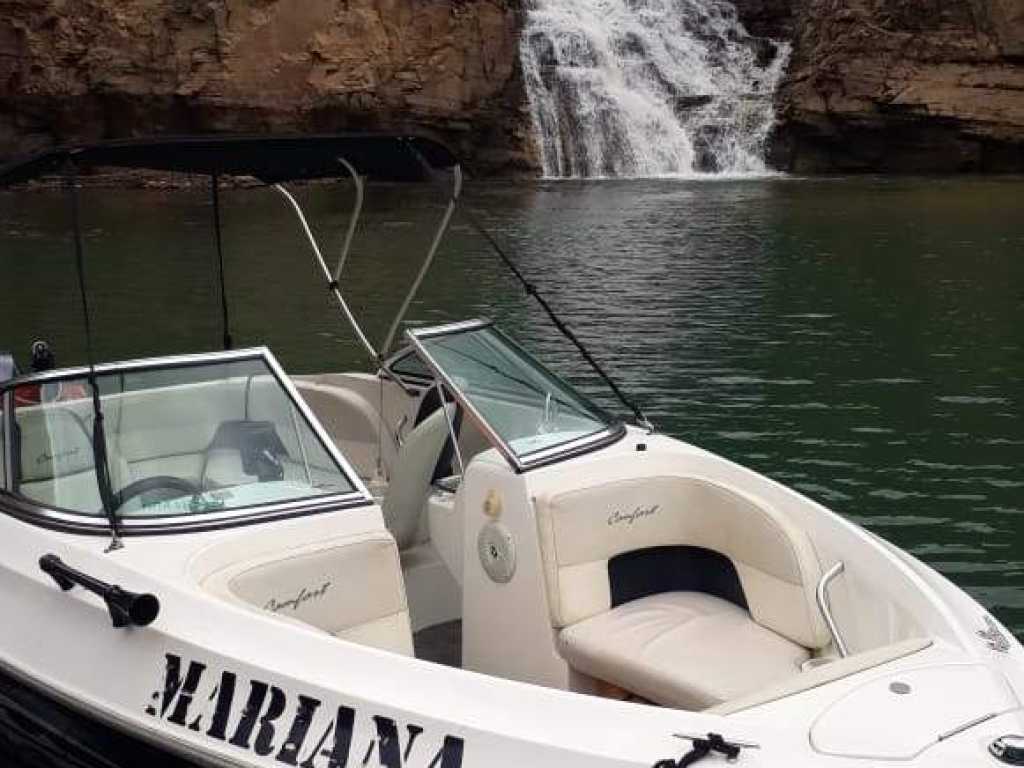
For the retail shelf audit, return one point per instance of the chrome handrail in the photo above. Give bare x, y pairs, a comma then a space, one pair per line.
821, 595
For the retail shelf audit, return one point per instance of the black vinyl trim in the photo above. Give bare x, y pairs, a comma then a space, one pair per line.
269, 158
653, 570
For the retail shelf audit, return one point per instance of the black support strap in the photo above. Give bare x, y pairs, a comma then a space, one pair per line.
99, 440
225, 318
532, 290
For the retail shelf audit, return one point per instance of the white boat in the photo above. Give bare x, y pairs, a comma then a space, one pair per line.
452, 560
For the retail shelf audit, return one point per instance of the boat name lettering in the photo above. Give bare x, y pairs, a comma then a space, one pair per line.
304, 596
617, 517
292, 728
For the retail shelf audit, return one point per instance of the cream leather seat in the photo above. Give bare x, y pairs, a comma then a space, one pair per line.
410, 484
56, 460
350, 587
353, 424
678, 589
682, 649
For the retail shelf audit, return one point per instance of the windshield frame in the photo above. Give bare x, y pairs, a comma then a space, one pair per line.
63, 519
612, 433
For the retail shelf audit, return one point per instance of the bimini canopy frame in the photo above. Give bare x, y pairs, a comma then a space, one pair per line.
273, 160
379, 357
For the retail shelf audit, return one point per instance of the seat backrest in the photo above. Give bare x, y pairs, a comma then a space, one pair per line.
349, 587
353, 424
412, 477
56, 461
581, 530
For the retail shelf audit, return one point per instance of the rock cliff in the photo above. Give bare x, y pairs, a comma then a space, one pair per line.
74, 70
873, 85
905, 85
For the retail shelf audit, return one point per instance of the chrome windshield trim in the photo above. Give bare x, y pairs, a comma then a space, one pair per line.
332, 450
169, 361
29, 510
475, 416
600, 438
444, 330
541, 457
399, 354
406, 379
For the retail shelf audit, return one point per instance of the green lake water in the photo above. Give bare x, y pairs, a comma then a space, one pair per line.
861, 340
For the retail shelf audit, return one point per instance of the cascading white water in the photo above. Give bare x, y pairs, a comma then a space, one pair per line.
648, 87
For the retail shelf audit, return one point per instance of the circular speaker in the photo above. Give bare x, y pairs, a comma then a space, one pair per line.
497, 552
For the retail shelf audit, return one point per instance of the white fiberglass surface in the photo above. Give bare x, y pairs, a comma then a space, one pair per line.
528, 407
187, 440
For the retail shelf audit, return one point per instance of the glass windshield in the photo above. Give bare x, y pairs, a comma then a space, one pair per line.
528, 408
185, 440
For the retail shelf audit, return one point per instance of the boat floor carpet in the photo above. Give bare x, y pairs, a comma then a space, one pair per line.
441, 643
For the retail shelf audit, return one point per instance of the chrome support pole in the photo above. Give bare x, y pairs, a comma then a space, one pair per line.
451, 429
445, 220
821, 595
357, 210
327, 273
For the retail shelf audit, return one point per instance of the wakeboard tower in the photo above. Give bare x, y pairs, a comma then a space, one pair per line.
453, 559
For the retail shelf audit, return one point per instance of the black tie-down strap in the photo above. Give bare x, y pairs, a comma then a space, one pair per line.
702, 748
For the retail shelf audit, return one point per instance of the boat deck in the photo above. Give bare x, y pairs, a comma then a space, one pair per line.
441, 643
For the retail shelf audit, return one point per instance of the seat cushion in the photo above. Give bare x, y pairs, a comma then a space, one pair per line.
583, 529
411, 482
681, 649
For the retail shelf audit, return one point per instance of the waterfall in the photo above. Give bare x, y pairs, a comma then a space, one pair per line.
648, 87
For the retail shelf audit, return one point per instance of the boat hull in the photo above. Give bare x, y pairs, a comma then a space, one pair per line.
37, 730
212, 682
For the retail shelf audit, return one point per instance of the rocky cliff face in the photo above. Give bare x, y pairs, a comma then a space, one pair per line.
873, 85
73, 70
905, 85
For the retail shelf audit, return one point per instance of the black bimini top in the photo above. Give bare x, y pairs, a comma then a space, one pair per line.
270, 159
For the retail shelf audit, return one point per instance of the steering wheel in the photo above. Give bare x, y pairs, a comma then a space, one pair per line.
149, 484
